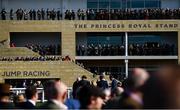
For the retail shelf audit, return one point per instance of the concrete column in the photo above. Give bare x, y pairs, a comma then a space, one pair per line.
126, 69
68, 43
126, 54
126, 44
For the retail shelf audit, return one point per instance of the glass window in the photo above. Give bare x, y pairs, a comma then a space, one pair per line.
92, 40
92, 5
151, 4
103, 0
104, 5
159, 4
138, 4
92, 0
115, 5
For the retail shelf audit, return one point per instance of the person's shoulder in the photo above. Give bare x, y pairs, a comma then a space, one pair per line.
6, 105
48, 105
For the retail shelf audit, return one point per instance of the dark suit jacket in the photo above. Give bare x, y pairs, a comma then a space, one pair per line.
4, 105
102, 84
49, 105
26, 105
83, 83
124, 101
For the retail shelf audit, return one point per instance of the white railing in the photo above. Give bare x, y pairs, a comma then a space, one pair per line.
18, 91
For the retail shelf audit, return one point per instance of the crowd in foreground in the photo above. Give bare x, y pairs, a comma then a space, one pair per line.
140, 90
91, 14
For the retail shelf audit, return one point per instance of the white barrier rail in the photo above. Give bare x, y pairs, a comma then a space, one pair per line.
18, 91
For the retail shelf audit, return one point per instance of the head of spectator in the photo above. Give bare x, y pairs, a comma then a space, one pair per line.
84, 77
56, 92
91, 97
31, 94
107, 93
18, 99
4, 93
111, 77
38, 84
133, 85
4, 97
101, 77
58, 79
119, 84
78, 79
140, 76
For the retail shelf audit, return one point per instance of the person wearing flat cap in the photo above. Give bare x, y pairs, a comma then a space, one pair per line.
4, 97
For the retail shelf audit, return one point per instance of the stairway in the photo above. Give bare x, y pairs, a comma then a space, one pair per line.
17, 52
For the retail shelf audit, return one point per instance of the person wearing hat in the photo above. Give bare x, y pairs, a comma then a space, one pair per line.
4, 97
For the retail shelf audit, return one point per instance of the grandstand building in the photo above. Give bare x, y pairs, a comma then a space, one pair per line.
110, 46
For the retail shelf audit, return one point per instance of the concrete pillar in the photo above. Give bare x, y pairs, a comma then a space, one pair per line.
126, 54
68, 43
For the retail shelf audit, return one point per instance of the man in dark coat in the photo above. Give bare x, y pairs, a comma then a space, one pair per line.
3, 14
113, 83
103, 84
32, 97
83, 82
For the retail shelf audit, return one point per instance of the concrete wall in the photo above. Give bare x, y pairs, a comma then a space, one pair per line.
68, 29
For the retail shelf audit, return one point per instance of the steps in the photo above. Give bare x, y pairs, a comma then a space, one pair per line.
16, 52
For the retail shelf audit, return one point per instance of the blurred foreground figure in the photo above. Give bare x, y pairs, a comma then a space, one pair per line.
131, 96
4, 97
162, 91
18, 100
91, 97
56, 92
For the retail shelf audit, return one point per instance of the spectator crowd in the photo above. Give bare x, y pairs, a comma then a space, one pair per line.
148, 48
32, 58
91, 14
100, 50
44, 49
140, 90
